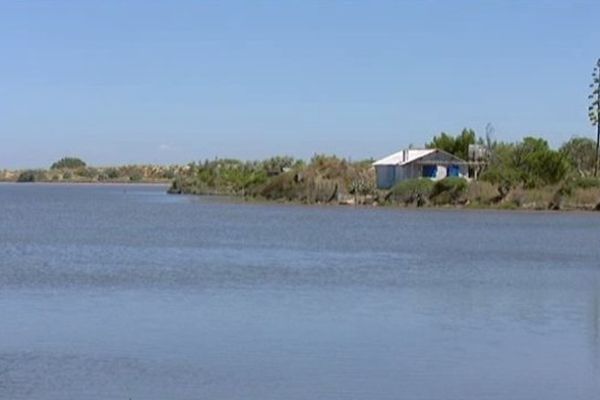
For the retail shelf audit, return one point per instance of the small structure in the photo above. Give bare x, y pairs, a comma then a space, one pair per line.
434, 164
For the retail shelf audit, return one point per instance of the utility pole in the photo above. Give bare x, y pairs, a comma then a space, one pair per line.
594, 110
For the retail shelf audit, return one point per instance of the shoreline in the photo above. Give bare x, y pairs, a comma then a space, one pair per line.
88, 183
234, 199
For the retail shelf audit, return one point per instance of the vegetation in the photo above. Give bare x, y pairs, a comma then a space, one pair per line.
324, 179
127, 173
449, 191
525, 174
581, 155
459, 145
412, 191
529, 163
30, 176
68, 163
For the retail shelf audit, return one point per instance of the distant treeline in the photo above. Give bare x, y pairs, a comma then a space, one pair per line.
524, 174
72, 169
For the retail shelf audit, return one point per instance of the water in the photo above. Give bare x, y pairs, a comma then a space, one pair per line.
119, 292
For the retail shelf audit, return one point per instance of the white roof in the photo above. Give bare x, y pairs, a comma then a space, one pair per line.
399, 157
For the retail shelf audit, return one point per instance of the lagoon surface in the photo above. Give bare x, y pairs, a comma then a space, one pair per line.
124, 292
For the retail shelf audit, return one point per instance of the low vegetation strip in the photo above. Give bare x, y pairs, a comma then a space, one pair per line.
527, 174
72, 169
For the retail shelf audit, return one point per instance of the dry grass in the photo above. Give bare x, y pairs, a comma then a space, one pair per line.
482, 193
581, 198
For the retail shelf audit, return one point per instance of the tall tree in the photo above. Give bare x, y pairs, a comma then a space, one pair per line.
594, 109
581, 153
459, 145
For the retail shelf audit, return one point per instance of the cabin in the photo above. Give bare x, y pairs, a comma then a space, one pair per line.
434, 164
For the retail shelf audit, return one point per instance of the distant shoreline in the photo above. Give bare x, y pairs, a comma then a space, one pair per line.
88, 183
236, 199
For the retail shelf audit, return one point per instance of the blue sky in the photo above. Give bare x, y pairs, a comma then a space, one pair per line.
174, 81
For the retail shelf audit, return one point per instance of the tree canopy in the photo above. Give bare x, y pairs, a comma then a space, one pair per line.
457, 145
581, 154
68, 163
531, 163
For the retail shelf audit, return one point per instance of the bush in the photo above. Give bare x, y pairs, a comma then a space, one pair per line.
27, 176
112, 173
286, 186
530, 163
483, 193
412, 191
136, 177
449, 190
581, 154
569, 186
87, 172
68, 163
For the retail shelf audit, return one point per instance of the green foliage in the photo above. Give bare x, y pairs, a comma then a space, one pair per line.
87, 172
412, 191
277, 165
68, 163
27, 176
539, 165
459, 145
581, 154
449, 190
111, 173
482, 193
135, 177
530, 163
421, 191
287, 186
501, 170
322, 180
222, 176
571, 185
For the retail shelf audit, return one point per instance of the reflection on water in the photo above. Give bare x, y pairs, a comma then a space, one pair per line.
125, 292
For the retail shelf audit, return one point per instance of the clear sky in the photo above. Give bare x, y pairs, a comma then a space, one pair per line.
174, 81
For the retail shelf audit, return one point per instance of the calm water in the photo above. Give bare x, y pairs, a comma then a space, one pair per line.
118, 292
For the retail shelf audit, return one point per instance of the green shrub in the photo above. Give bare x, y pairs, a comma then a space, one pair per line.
27, 176
529, 163
587, 183
569, 186
449, 190
412, 191
68, 163
136, 177
112, 173
87, 172
287, 186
